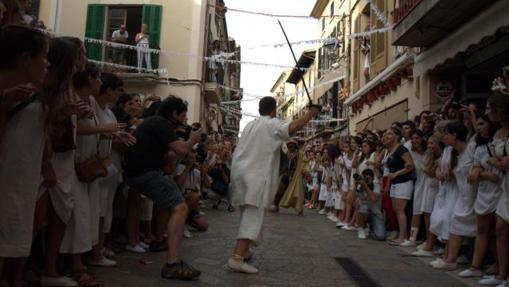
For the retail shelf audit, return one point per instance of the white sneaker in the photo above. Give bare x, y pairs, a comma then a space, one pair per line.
340, 224
241, 266
57, 281
462, 260
468, 273
135, 249
439, 251
491, 280
108, 252
407, 243
421, 246
333, 218
187, 233
392, 235
349, 228
144, 245
422, 253
103, 262
435, 262
322, 211
361, 233
442, 265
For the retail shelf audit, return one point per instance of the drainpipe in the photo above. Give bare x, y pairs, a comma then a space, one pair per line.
349, 62
205, 65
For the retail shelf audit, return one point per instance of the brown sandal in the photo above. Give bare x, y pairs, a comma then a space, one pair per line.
85, 280
179, 271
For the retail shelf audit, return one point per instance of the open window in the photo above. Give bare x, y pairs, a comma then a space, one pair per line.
103, 20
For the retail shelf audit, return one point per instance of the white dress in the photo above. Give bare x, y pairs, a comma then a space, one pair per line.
463, 220
501, 150
445, 200
488, 192
21, 153
324, 192
429, 193
82, 232
346, 174
420, 182
62, 195
107, 185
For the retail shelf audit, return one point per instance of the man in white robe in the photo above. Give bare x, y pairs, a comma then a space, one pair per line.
254, 174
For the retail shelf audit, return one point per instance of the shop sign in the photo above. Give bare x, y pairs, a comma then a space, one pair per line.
444, 89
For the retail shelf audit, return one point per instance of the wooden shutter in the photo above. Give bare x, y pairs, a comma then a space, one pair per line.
152, 16
95, 29
356, 54
378, 52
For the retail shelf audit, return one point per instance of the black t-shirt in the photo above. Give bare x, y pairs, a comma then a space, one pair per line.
152, 139
396, 163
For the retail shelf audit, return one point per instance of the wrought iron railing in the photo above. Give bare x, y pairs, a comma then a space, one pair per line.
405, 8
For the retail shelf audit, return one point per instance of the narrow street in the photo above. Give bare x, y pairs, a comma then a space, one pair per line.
295, 251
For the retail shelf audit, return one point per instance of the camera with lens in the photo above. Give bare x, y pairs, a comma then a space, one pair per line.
357, 177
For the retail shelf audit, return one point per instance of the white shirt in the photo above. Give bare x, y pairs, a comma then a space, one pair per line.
255, 163
118, 37
193, 178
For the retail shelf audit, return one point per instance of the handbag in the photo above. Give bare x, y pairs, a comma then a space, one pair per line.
92, 168
63, 140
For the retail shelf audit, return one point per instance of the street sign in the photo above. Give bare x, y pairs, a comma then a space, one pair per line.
444, 89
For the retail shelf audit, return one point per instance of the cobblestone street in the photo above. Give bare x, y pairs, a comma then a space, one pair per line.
295, 251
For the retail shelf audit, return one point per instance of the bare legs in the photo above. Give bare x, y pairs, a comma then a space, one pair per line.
175, 231
481, 240
56, 231
453, 248
502, 228
399, 206
414, 231
133, 217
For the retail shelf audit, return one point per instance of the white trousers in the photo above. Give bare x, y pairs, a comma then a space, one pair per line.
144, 54
251, 222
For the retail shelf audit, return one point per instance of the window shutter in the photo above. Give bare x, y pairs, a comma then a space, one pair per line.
152, 16
356, 54
95, 29
378, 52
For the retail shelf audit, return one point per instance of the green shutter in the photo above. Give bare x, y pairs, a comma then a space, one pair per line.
95, 29
152, 16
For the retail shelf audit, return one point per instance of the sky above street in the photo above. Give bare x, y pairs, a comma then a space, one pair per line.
253, 30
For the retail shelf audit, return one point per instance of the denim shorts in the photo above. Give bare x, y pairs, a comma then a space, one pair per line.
163, 191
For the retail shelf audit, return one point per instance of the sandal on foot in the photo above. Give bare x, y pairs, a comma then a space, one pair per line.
85, 280
179, 271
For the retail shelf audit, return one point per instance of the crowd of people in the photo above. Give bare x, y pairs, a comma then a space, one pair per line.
438, 183
88, 169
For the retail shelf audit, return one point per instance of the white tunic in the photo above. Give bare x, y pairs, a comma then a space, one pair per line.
107, 185
83, 229
488, 192
463, 220
62, 195
420, 182
501, 150
440, 219
429, 192
21, 153
347, 173
255, 163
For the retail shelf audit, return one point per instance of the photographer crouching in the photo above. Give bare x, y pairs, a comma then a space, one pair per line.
370, 206
143, 164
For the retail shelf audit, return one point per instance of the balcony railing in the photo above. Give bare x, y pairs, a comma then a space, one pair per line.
405, 7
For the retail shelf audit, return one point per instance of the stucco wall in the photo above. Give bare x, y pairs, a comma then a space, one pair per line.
182, 31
